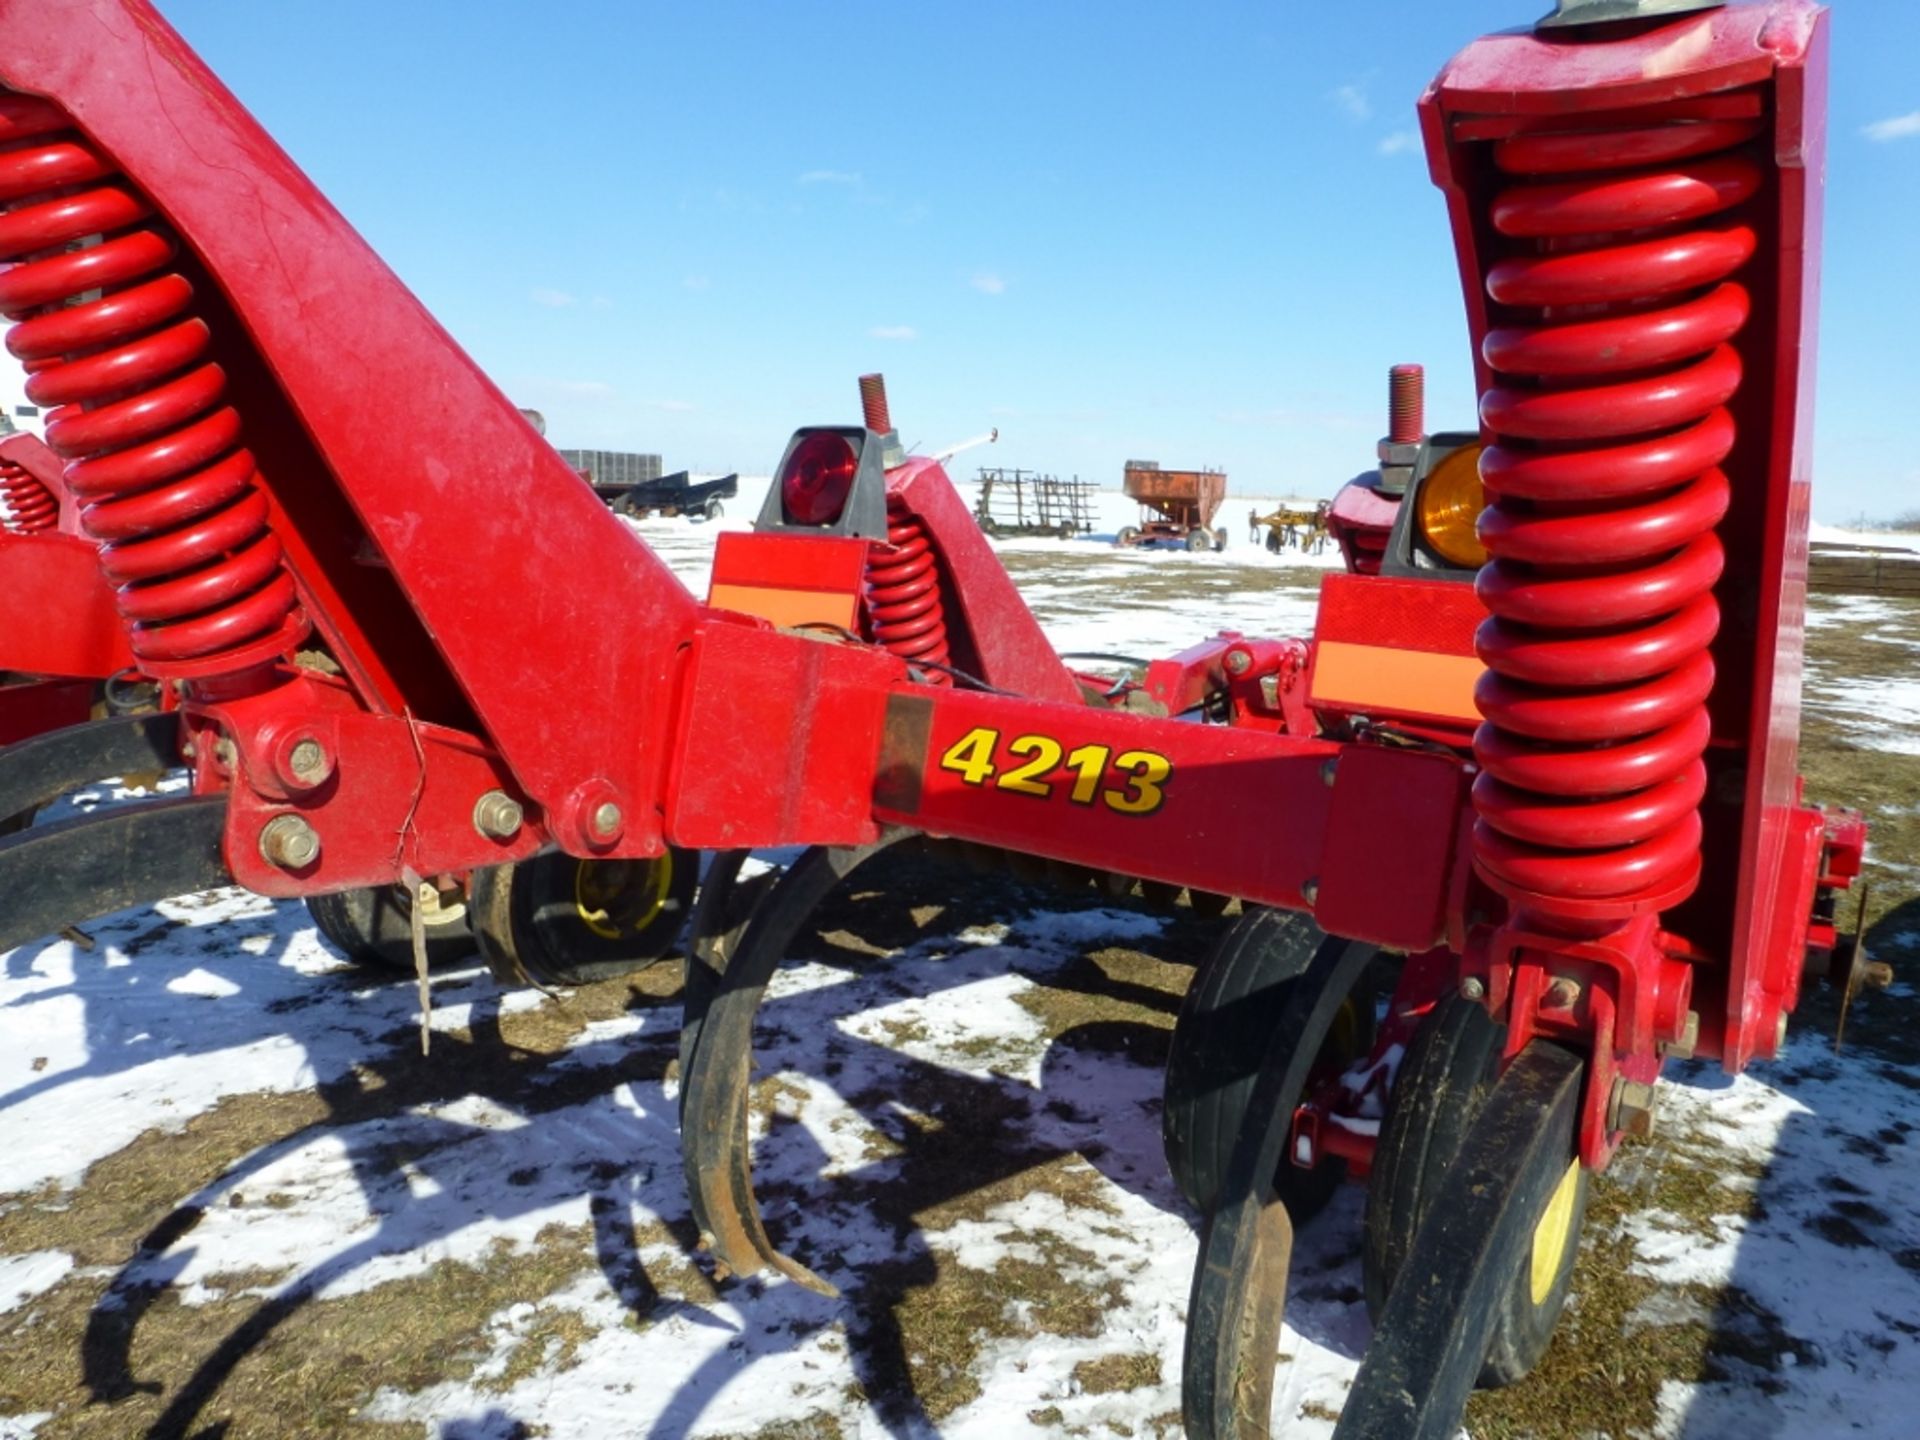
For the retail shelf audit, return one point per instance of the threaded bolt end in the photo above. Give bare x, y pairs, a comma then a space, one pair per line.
1407, 404
873, 403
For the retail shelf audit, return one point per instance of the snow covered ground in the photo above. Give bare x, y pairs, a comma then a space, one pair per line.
231, 1188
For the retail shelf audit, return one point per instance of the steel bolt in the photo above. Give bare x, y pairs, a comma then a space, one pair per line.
606, 819
1238, 662
1473, 988
289, 842
1683, 1048
1329, 772
498, 816
873, 403
189, 751
1632, 1109
223, 753
308, 762
1406, 404
1560, 994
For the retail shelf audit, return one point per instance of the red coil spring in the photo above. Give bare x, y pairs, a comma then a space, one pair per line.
154, 452
1611, 426
26, 505
904, 608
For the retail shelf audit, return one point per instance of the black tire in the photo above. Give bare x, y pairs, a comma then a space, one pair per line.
1220, 539
1449, 1069
1237, 998
557, 920
374, 927
714, 510
1129, 535
1198, 540
1274, 543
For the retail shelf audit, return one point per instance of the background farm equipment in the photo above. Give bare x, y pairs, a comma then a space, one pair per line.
1582, 754
675, 494
1184, 502
1025, 502
1291, 528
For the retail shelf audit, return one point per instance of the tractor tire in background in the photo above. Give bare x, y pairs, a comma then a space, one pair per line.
1274, 543
1220, 538
1129, 535
1198, 540
1238, 998
557, 920
373, 927
1445, 1077
713, 511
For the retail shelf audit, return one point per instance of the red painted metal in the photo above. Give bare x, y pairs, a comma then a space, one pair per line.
27, 505
43, 471
33, 707
155, 453
1361, 522
1262, 681
1616, 657
496, 628
57, 614
991, 632
905, 611
404, 542
1636, 219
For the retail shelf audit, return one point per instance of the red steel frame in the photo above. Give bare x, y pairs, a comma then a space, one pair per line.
450, 566
59, 630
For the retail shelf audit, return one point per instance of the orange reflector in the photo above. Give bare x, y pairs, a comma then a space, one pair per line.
789, 580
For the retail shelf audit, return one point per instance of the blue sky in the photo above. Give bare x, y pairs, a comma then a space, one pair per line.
1198, 235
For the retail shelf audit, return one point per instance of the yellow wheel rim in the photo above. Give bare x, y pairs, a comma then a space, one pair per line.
1554, 1234
618, 899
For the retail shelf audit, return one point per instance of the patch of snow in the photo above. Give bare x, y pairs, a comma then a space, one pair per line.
22, 1277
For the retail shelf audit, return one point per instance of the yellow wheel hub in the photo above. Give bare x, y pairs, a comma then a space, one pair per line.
618, 899
1554, 1234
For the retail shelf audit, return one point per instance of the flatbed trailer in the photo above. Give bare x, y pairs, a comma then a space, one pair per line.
675, 494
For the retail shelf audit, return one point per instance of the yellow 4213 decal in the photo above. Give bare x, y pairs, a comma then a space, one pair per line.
1132, 782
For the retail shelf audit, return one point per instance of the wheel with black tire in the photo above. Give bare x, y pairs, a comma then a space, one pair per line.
1198, 540
1220, 539
374, 927
558, 920
1129, 535
713, 511
1240, 995
1444, 1079
1274, 543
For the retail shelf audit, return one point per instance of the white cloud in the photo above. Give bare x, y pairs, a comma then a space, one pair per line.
1399, 142
828, 177
1895, 127
894, 332
1352, 102
989, 284
553, 299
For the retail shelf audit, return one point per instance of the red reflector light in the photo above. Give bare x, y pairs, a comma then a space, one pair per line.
818, 478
